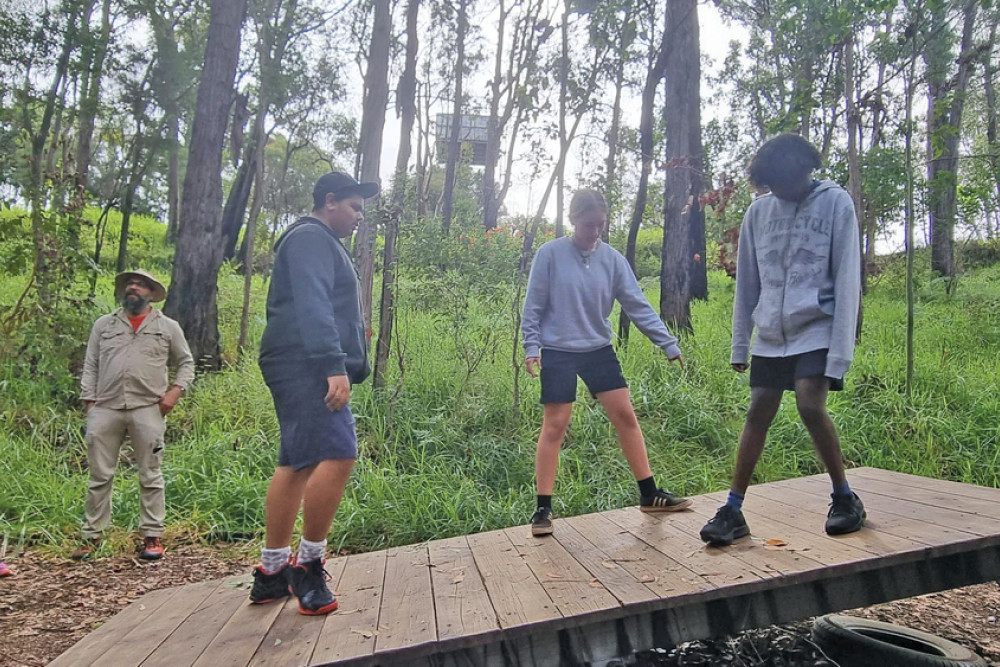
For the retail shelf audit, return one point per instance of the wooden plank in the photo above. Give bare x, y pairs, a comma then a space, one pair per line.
94, 645
796, 506
350, 631
580, 536
239, 638
929, 523
773, 548
407, 616
462, 605
292, 637
191, 637
962, 489
565, 580
516, 594
138, 644
981, 515
715, 566
663, 575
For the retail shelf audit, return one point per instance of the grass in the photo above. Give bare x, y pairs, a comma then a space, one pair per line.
443, 451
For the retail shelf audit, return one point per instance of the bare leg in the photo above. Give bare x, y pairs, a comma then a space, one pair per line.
810, 399
284, 497
764, 404
618, 406
555, 421
323, 493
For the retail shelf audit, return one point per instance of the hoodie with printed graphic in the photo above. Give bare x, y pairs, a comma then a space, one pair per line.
798, 278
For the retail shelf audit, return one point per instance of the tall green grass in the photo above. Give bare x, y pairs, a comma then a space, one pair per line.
444, 452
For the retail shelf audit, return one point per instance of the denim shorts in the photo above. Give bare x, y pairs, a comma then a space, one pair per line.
782, 372
310, 431
599, 370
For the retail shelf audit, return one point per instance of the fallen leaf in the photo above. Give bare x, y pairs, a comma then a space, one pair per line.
775, 542
459, 579
594, 583
554, 575
277, 642
647, 579
367, 634
608, 564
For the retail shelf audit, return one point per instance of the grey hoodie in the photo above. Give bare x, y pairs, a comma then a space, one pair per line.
798, 278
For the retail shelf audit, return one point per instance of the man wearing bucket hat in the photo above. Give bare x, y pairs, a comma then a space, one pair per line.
313, 349
126, 390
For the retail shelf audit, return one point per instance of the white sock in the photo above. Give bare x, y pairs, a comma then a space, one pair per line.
272, 559
311, 550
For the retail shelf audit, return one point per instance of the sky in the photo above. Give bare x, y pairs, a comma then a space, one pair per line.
525, 194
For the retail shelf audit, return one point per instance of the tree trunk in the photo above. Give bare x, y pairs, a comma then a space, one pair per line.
490, 203
406, 98
173, 176
646, 147
945, 107
611, 187
192, 297
370, 148
235, 208
448, 194
91, 95
563, 103
684, 175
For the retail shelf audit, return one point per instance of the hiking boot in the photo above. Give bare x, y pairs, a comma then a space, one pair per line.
541, 521
727, 525
663, 501
86, 550
270, 586
847, 515
5, 571
152, 549
309, 586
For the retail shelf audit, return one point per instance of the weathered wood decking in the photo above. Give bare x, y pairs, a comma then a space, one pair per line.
604, 585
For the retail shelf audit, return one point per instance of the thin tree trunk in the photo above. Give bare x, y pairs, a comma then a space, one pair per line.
563, 103
192, 297
91, 96
406, 96
646, 147
448, 194
370, 148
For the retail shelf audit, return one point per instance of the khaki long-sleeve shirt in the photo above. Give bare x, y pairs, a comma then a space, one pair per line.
127, 369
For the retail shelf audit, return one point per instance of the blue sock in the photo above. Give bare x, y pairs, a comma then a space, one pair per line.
842, 489
735, 500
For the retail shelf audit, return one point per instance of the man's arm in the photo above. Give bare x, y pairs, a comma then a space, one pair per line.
180, 359
88, 380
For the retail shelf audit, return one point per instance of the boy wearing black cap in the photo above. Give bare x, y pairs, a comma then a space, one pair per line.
313, 349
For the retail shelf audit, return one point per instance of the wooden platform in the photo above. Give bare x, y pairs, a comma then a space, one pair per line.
604, 585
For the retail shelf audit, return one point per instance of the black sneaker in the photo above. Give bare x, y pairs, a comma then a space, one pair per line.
268, 587
663, 501
847, 515
541, 521
309, 586
727, 525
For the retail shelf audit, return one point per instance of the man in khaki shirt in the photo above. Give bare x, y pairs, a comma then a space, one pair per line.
125, 390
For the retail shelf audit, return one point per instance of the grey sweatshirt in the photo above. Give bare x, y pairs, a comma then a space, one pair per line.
570, 296
798, 278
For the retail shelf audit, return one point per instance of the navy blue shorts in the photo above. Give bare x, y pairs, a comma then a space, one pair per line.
782, 372
599, 370
310, 431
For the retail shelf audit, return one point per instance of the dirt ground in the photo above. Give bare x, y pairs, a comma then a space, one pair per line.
51, 604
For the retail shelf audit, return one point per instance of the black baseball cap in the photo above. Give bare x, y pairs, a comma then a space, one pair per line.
341, 185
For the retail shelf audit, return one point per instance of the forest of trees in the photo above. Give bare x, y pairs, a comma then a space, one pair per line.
217, 117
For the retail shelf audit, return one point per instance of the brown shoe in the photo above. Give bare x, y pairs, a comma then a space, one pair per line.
87, 549
152, 549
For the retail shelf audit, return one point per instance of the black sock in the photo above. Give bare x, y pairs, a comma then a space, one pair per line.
647, 487
545, 501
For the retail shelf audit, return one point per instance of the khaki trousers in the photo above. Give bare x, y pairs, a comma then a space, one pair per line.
106, 430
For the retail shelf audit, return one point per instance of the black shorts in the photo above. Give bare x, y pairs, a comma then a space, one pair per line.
782, 372
599, 370
310, 431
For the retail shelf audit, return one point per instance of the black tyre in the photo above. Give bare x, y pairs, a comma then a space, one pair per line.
858, 642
